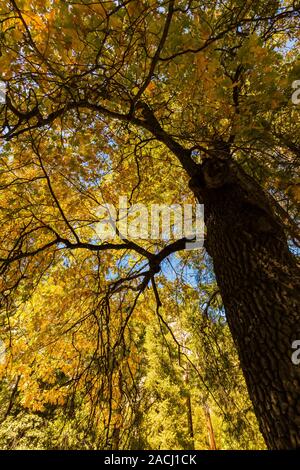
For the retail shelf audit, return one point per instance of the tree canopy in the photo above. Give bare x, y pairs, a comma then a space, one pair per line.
124, 343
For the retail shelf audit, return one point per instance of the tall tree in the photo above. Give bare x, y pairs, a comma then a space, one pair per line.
126, 97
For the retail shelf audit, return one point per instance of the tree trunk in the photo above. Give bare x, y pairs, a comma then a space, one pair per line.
190, 421
210, 429
258, 278
189, 410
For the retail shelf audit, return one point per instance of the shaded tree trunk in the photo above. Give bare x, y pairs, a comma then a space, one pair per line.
190, 421
189, 410
258, 278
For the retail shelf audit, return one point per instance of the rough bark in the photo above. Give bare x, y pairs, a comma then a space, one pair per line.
258, 278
